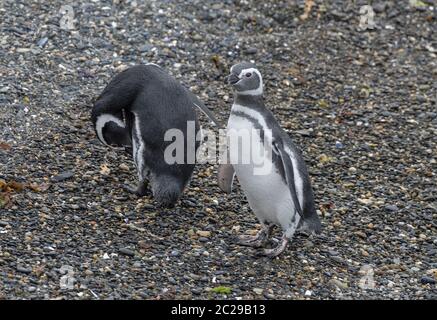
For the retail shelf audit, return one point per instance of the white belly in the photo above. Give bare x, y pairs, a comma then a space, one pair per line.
268, 194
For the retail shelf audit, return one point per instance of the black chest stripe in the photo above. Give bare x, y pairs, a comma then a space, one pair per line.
254, 121
276, 159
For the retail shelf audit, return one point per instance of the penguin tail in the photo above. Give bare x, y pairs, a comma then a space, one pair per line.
311, 225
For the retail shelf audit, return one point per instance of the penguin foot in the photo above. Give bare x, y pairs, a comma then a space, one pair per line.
276, 251
256, 241
251, 241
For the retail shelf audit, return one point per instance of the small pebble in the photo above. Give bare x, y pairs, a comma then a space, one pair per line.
391, 208
175, 253
23, 269
42, 42
427, 280
127, 252
63, 176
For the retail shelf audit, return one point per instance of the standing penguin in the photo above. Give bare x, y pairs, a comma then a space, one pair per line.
281, 195
135, 111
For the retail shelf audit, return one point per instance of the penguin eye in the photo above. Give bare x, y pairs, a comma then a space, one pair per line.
248, 74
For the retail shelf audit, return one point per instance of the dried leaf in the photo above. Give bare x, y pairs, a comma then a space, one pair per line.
308, 6
5, 146
5, 200
216, 59
34, 187
323, 158
16, 186
104, 169
38, 187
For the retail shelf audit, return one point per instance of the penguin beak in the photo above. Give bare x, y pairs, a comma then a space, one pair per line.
232, 79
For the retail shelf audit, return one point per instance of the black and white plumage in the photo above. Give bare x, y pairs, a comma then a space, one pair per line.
283, 196
134, 111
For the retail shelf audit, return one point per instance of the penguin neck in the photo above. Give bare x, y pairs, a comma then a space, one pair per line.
251, 101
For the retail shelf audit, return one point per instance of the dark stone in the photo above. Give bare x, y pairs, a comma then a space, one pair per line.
175, 253
339, 260
63, 176
251, 50
127, 252
196, 291
42, 42
391, 208
339, 145
23, 269
380, 7
427, 280
146, 48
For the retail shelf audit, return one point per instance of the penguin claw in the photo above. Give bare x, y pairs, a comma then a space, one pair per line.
276, 251
271, 253
256, 241
250, 241
247, 238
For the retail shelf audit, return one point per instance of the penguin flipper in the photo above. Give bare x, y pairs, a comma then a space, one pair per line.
289, 174
201, 106
226, 176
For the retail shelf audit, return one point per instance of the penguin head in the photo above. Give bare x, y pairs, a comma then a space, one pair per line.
246, 79
167, 188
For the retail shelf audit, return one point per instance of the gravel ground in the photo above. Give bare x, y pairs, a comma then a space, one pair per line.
360, 104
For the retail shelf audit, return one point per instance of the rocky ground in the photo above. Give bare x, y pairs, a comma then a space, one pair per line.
361, 104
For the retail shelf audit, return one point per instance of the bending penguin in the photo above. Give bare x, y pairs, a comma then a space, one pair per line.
279, 194
135, 111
